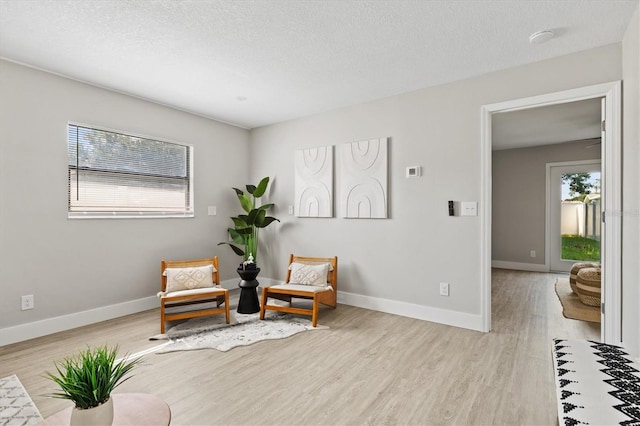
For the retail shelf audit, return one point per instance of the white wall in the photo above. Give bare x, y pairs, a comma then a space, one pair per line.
403, 258
108, 266
519, 198
394, 264
631, 186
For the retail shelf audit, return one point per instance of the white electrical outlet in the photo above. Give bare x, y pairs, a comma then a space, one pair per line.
212, 210
444, 289
27, 302
532, 253
290, 209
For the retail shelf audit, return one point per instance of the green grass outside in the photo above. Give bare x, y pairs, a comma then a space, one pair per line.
575, 247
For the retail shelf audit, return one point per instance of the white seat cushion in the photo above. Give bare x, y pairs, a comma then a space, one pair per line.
301, 287
193, 292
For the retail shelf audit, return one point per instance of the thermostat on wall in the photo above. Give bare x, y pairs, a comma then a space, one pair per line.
413, 171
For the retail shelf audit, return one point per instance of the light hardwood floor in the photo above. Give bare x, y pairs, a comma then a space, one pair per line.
369, 368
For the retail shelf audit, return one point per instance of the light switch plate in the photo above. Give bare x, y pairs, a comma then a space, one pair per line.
469, 208
213, 210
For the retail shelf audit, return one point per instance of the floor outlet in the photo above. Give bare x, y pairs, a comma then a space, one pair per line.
444, 289
27, 302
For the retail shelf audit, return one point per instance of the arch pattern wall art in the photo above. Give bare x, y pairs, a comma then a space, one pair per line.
363, 179
314, 182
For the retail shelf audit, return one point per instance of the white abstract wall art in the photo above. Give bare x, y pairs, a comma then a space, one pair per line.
363, 179
314, 182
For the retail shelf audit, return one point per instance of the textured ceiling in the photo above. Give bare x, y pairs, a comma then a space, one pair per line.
258, 62
546, 125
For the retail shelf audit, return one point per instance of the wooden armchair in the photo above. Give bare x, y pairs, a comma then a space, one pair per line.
191, 283
321, 272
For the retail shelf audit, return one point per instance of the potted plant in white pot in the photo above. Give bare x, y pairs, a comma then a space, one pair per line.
87, 379
245, 242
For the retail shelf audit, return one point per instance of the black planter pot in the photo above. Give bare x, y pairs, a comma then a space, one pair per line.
248, 303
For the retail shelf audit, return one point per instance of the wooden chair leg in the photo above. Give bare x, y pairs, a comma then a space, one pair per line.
264, 303
161, 317
226, 307
314, 315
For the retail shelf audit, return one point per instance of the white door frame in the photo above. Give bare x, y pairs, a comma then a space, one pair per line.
547, 220
611, 175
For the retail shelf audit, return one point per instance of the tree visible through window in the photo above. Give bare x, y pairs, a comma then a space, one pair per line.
579, 185
115, 174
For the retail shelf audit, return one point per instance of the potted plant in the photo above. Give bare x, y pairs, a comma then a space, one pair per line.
246, 226
87, 379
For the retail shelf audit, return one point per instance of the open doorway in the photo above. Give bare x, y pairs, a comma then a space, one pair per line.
611, 184
545, 159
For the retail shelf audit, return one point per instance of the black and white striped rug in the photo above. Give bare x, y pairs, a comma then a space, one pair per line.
596, 384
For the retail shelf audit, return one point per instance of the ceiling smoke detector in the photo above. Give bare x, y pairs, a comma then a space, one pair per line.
541, 36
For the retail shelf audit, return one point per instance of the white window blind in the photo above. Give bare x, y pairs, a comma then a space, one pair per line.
113, 174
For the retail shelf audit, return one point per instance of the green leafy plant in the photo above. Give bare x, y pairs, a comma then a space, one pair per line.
89, 377
246, 226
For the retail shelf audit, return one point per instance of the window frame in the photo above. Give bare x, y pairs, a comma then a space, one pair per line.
189, 210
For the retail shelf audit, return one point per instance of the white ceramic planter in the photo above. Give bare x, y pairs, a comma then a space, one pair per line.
102, 415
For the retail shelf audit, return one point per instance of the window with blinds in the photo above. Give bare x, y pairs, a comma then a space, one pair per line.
118, 175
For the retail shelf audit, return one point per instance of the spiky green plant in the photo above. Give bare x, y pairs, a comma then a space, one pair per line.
89, 377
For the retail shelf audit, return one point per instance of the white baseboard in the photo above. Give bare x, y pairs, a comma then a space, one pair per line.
518, 266
411, 310
40, 328
426, 313
44, 327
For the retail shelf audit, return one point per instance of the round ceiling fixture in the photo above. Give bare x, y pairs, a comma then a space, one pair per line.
541, 36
